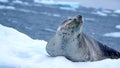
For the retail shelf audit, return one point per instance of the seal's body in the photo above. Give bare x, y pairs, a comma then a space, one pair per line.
71, 42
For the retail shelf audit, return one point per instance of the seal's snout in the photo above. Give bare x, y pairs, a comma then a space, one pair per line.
79, 17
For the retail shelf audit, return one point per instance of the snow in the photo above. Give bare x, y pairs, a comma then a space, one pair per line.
50, 14
17, 1
17, 50
56, 15
106, 11
117, 26
17, 9
117, 11
7, 7
50, 30
3, 0
89, 19
68, 8
113, 34
20, 2
43, 1
27, 11
100, 13
62, 5
106, 4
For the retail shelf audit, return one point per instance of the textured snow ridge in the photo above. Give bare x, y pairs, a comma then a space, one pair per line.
17, 50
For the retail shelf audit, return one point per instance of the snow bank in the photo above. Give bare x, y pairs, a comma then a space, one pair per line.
17, 50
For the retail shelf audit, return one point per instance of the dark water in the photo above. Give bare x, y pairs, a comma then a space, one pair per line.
40, 21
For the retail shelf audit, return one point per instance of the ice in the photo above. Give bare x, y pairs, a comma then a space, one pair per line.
50, 30
7, 7
118, 26
117, 11
18, 50
68, 8
99, 13
27, 11
17, 1
62, 5
106, 11
57, 15
20, 2
44, 1
113, 34
50, 14
17, 9
90, 19
3, 0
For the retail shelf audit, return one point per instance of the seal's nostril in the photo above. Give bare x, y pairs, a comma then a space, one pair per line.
79, 16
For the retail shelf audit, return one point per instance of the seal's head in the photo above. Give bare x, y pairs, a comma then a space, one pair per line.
71, 25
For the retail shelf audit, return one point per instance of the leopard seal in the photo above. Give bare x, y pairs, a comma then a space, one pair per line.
71, 42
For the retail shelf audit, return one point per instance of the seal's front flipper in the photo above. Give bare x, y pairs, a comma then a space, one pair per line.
109, 52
